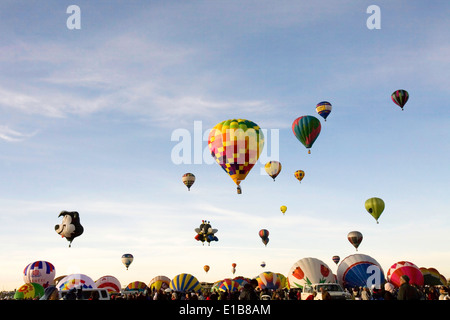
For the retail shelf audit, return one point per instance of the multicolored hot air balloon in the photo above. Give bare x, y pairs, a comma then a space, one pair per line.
269, 280
228, 285
400, 97
306, 129
188, 180
41, 272
401, 268
299, 175
283, 209
360, 270
323, 109
273, 169
127, 259
336, 259
206, 268
110, 283
205, 233
264, 235
136, 286
355, 238
29, 291
236, 145
159, 282
307, 271
70, 227
375, 207
185, 282
242, 280
76, 280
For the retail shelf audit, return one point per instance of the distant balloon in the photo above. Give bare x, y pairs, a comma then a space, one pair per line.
358, 269
41, 272
299, 175
206, 268
188, 179
323, 109
400, 97
306, 129
264, 235
263, 264
336, 259
70, 228
355, 238
407, 268
127, 259
233, 267
273, 169
283, 209
236, 145
375, 207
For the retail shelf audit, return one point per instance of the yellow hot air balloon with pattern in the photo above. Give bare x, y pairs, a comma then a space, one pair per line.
299, 175
273, 168
236, 145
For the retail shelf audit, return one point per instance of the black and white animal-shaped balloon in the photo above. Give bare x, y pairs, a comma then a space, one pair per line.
70, 227
206, 233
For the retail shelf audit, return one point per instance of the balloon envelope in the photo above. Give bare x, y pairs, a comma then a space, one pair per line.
236, 145
206, 268
355, 238
375, 206
269, 280
136, 285
336, 259
41, 272
159, 282
229, 285
283, 209
306, 129
188, 179
308, 271
360, 270
401, 268
400, 97
76, 280
273, 169
323, 109
127, 259
185, 282
110, 283
299, 175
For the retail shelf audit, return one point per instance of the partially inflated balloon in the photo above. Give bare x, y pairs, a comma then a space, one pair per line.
185, 282
323, 109
188, 179
407, 268
360, 270
273, 168
236, 145
355, 238
306, 129
299, 175
375, 207
110, 283
400, 97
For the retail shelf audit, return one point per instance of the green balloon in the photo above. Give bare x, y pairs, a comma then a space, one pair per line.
375, 207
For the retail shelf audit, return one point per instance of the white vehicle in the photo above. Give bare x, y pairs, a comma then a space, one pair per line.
334, 289
85, 294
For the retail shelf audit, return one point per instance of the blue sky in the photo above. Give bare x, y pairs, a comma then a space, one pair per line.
87, 117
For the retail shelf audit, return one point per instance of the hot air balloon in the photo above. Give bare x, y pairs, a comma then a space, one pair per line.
188, 179
76, 280
263, 264
308, 271
159, 282
336, 259
241, 280
29, 291
401, 268
360, 270
400, 97
355, 238
264, 234
136, 286
299, 174
205, 233
375, 207
269, 280
273, 168
41, 272
306, 129
127, 259
70, 228
283, 209
323, 109
206, 268
110, 283
228, 285
236, 145
233, 267
185, 282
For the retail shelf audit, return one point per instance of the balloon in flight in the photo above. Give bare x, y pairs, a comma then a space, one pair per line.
400, 97
323, 109
375, 206
188, 179
127, 259
273, 169
306, 129
299, 175
355, 238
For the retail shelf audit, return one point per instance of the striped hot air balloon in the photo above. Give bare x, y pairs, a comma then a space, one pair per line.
188, 180
400, 97
324, 109
185, 282
306, 129
41, 272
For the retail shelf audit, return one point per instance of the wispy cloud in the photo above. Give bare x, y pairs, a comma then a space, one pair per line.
12, 135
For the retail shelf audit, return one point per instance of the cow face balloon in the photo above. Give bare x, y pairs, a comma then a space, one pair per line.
70, 227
